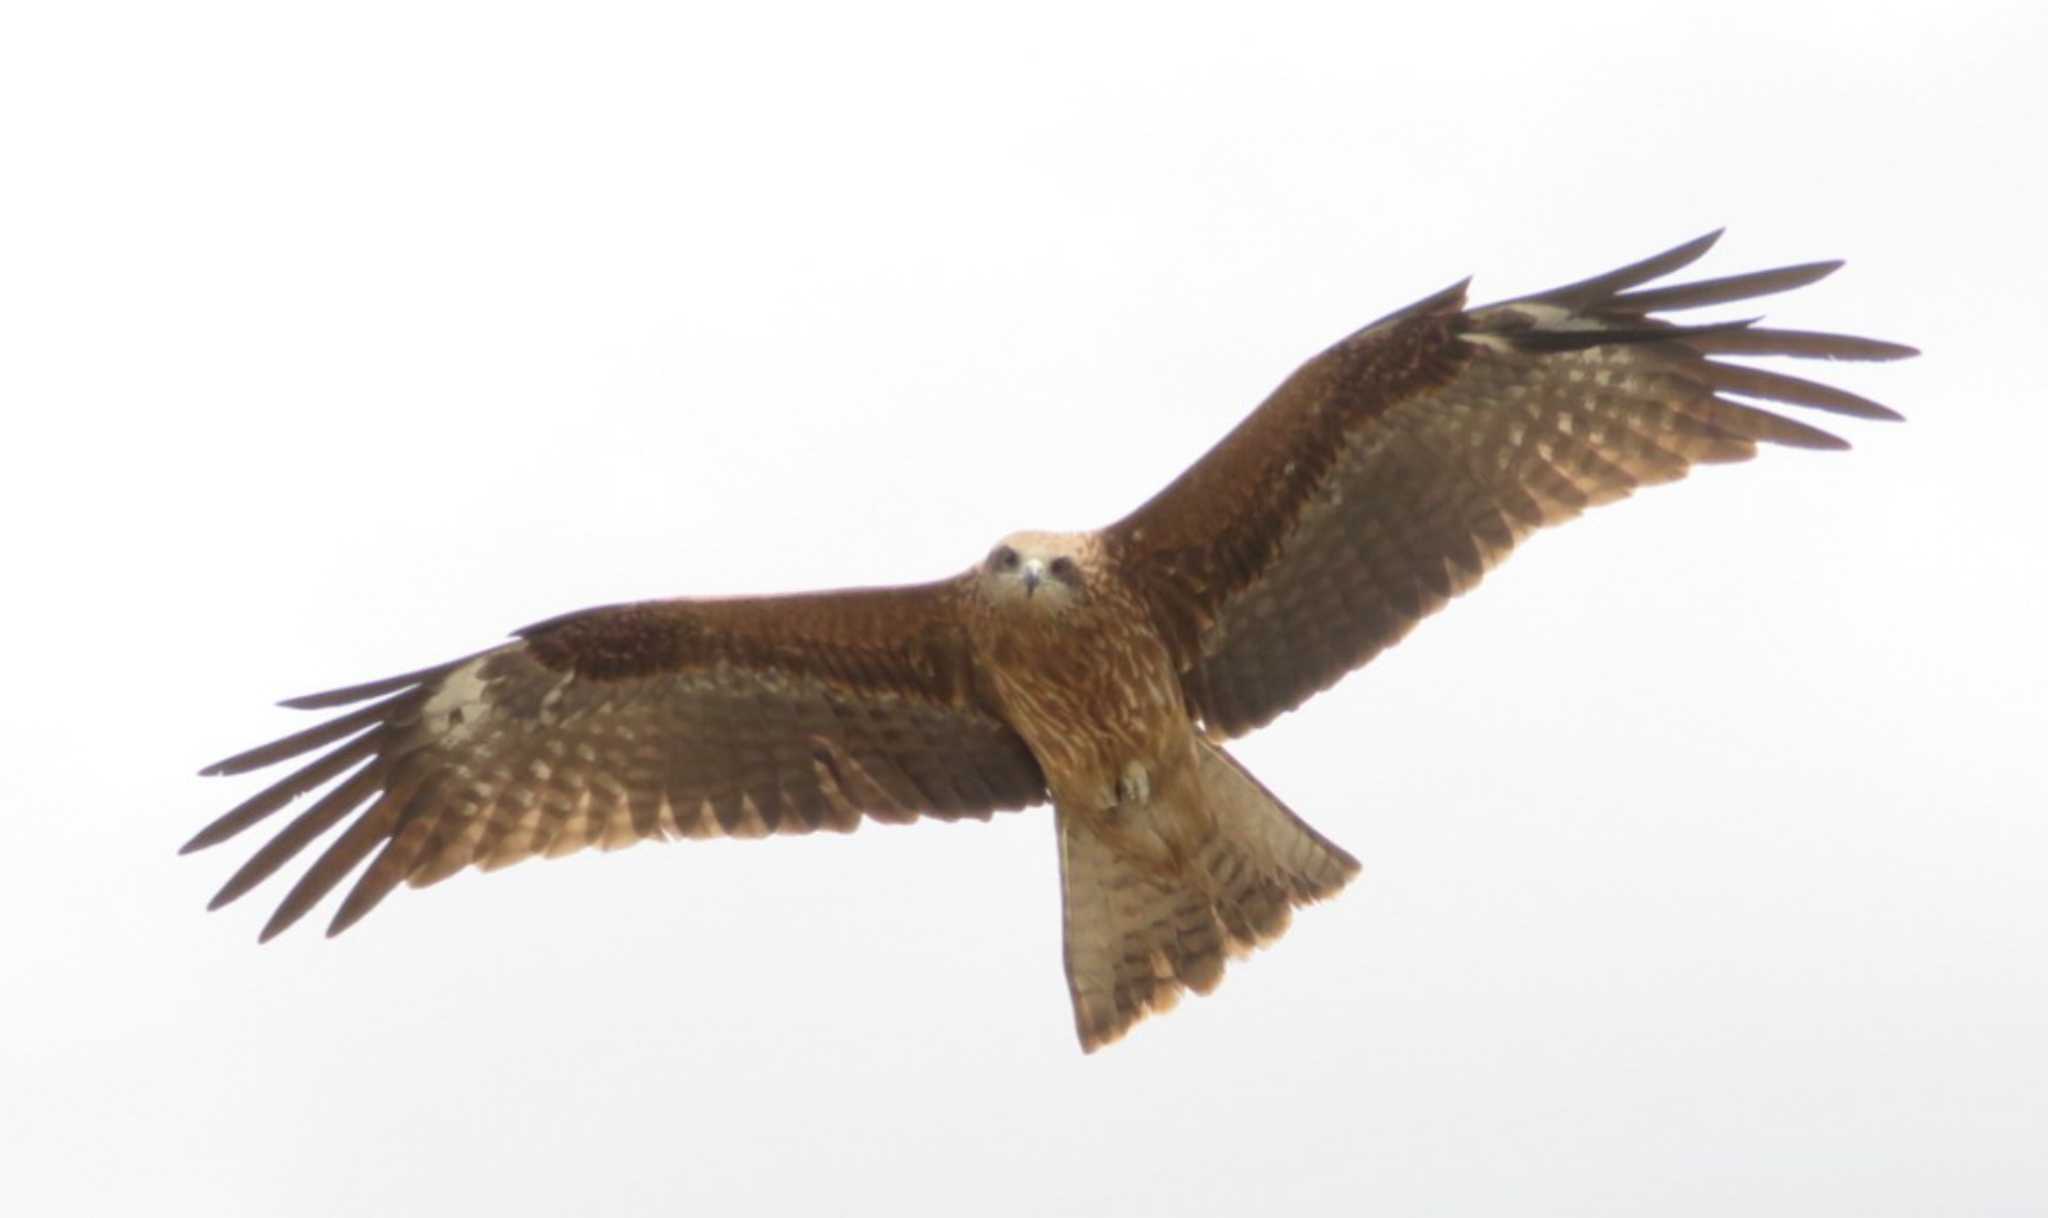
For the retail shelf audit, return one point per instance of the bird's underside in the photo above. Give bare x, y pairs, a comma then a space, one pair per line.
1099, 672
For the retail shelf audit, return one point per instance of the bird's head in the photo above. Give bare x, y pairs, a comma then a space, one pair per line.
1036, 572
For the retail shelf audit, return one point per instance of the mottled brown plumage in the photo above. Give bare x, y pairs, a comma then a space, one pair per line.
1097, 671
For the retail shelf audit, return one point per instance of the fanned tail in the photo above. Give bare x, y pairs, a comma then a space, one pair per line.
1264, 860
1137, 937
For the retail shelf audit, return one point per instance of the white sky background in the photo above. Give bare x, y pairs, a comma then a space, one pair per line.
1704, 845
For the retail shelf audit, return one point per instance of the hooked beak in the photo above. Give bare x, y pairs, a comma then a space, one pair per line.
1034, 575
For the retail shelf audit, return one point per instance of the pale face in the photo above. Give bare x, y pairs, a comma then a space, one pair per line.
1035, 572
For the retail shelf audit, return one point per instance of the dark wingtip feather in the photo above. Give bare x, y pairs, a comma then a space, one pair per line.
1725, 289
304, 829
1811, 437
1804, 344
264, 803
1540, 339
1446, 300
1684, 253
1771, 386
392, 864
209, 836
293, 908
304, 741
332, 697
371, 689
350, 913
333, 866
1586, 291
254, 871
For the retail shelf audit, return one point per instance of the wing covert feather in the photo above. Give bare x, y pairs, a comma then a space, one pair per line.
1390, 472
663, 719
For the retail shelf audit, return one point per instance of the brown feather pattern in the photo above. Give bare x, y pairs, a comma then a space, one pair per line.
1389, 473
632, 722
1382, 478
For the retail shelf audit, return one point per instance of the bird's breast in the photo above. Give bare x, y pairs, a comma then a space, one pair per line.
1090, 698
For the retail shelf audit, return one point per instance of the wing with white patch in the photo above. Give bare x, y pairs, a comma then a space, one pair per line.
667, 719
1389, 473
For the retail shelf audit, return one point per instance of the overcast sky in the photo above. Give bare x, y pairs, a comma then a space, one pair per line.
1704, 845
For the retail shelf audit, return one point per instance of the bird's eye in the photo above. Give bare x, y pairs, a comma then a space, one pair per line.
1063, 569
1004, 559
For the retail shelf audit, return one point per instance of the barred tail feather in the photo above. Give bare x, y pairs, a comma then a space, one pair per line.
1264, 860
1136, 937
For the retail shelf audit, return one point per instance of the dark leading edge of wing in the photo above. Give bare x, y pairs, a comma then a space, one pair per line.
1383, 477
634, 722
1389, 473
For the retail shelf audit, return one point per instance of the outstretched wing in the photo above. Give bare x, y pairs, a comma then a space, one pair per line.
616, 725
1387, 474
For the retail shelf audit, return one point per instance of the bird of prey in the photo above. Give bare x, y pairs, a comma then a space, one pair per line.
1101, 672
